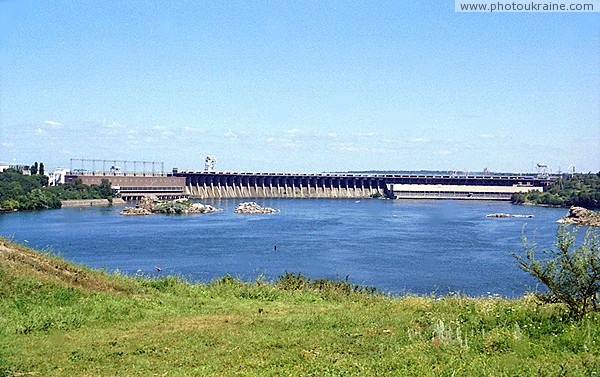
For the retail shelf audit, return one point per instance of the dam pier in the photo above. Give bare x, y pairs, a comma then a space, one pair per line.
280, 185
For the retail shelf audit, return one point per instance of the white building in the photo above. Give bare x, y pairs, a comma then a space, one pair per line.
57, 177
19, 167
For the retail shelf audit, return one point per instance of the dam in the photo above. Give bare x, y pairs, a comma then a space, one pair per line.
210, 184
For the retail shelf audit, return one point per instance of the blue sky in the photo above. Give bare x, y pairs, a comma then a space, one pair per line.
299, 85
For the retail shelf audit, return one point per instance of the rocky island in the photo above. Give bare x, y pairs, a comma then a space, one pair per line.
508, 215
253, 208
581, 216
151, 204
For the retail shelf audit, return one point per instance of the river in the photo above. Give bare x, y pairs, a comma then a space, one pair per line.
398, 246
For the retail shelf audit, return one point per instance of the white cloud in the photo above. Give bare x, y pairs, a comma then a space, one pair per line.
364, 134
294, 132
345, 147
492, 136
230, 135
193, 130
419, 140
282, 142
288, 144
114, 124
53, 123
332, 135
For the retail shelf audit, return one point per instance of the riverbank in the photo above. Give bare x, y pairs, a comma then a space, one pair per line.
58, 316
91, 202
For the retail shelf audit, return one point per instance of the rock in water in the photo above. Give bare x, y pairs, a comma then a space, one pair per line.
581, 216
253, 208
202, 208
135, 211
507, 215
579, 212
151, 204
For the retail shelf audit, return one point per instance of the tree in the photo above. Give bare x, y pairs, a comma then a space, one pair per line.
42, 168
34, 168
571, 274
518, 198
105, 189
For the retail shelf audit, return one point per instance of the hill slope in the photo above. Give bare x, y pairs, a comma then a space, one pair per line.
62, 319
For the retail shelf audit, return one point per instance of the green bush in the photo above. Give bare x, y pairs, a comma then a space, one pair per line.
31, 192
571, 274
576, 190
298, 282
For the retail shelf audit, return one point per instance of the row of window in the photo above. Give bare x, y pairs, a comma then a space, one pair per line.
171, 188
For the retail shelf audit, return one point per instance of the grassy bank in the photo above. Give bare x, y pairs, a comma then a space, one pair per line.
62, 319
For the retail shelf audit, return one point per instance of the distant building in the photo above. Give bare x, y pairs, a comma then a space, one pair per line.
18, 167
57, 177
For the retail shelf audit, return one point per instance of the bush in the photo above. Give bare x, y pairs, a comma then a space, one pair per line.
576, 190
298, 282
572, 274
10, 204
31, 192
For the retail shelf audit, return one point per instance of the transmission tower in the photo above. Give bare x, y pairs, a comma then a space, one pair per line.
210, 163
542, 170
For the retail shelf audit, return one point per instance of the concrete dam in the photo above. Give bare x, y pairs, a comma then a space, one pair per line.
207, 184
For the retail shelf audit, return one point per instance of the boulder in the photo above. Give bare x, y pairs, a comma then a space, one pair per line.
148, 202
135, 211
507, 215
253, 208
202, 208
578, 212
151, 204
581, 216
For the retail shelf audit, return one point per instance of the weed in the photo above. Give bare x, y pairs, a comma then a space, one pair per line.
571, 274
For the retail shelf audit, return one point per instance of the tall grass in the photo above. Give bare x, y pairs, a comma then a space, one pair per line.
52, 324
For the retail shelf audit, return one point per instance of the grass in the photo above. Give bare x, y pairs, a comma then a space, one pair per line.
60, 319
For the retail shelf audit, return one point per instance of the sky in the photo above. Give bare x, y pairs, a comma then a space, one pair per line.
299, 86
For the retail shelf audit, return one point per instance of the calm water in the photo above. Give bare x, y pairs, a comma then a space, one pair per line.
398, 246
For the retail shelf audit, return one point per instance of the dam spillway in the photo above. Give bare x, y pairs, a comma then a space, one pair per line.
280, 185
207, 184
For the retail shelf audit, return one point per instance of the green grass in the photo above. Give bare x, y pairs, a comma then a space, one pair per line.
59, 319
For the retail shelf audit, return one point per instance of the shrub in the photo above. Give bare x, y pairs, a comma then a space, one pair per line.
572, 274
298, 282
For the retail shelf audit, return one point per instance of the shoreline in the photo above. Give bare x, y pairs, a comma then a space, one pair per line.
91, 202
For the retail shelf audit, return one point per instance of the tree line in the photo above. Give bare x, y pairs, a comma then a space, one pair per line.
31, 192
577, 190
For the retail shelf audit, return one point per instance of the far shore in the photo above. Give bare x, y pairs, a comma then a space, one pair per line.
91, 202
